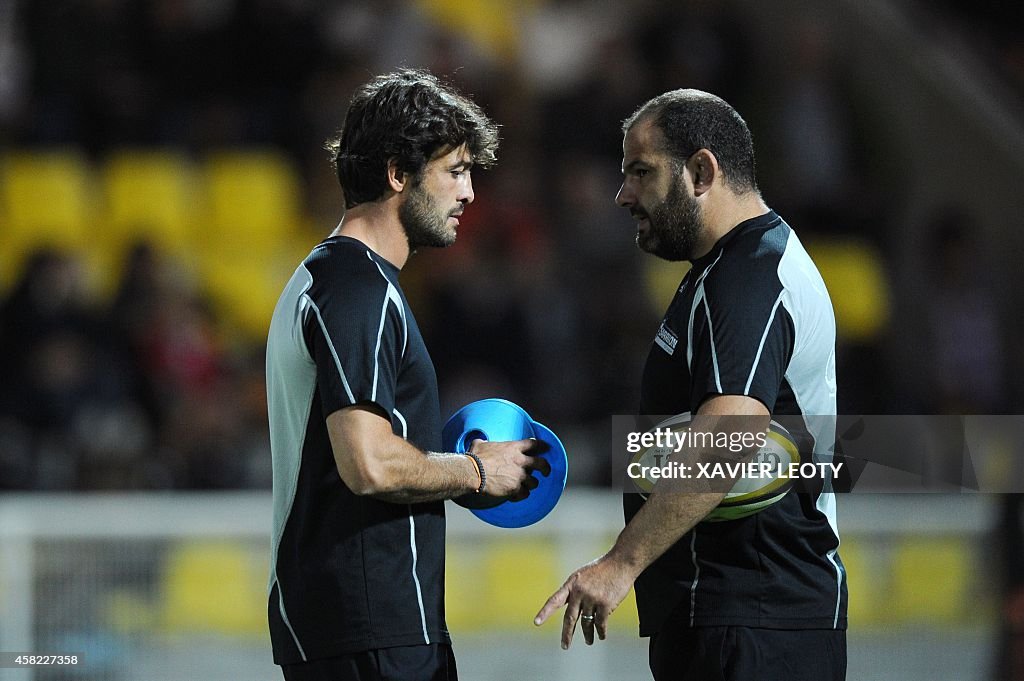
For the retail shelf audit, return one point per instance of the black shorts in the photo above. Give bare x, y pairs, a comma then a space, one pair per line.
434, 662
745, 653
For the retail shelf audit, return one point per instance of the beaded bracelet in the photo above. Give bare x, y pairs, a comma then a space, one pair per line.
479, 465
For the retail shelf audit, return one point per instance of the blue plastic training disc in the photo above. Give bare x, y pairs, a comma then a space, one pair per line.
498, 420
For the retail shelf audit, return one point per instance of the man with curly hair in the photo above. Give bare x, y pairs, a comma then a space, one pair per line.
357, 570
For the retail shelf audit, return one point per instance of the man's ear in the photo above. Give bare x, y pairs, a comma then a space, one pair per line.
396, 177
704, 169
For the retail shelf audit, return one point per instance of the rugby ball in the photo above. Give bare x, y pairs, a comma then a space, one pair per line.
750, 493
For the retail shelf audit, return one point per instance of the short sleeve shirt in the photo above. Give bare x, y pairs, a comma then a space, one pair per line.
348, 572
752, 317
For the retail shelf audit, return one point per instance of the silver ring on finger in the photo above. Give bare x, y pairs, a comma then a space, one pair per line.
587, 618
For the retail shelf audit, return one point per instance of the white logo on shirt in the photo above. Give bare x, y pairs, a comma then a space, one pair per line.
666, 339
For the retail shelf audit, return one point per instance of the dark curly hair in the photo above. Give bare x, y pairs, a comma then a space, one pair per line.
408, 116
691, 120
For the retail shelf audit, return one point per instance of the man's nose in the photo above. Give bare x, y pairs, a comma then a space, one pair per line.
466, 196
625, 197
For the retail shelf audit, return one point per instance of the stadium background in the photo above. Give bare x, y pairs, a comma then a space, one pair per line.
162, 172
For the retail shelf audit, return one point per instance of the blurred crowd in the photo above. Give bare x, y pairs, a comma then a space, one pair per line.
545, 300
140, 393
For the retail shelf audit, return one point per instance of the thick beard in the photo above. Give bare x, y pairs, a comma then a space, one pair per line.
424, 223
674, 227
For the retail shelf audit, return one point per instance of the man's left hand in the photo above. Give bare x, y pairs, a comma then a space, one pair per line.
590, 595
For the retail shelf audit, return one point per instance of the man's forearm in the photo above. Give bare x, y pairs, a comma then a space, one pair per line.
434, 478
662, 521
410, 476
373, 461
676, 506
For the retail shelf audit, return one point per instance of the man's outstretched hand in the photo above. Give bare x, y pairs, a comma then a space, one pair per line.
590, 595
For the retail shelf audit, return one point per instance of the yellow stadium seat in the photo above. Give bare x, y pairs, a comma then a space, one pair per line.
857, 284
214, 586
463, 595
149, 195
46, 200
514, 577
516, 600
253, 203
46, 197
932, 578
244, 291
868, 590
494, 25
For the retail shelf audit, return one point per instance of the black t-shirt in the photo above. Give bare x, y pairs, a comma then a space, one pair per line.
348, 572
752, 317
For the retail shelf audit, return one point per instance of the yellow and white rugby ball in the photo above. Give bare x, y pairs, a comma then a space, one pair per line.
749, 494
